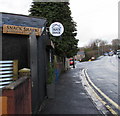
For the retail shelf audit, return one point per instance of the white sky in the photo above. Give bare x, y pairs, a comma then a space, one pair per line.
94, 18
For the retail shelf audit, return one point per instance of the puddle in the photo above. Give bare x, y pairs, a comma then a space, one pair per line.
99, 79
82, 93
77, 82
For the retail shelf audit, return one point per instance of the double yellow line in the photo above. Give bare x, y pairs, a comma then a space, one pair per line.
106, 97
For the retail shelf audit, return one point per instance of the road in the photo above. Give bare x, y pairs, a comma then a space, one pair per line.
104, 74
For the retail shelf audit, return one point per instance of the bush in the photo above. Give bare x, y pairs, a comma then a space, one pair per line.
51, 75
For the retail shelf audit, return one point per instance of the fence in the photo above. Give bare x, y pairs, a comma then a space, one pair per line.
17, 97
8, 72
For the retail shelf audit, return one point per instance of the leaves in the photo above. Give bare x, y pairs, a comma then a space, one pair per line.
51, 75
66, 45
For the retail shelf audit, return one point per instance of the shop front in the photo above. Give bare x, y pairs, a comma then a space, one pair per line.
25, 39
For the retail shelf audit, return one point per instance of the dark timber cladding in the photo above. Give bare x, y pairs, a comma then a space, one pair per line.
15, 46
30, 50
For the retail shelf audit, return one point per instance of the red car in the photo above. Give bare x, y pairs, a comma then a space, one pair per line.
71, 61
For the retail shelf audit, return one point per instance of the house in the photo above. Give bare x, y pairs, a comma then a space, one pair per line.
80, 55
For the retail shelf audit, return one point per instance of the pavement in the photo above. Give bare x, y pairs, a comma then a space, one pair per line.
70, 96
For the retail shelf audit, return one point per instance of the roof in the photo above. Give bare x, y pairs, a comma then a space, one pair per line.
22, 20
81, 53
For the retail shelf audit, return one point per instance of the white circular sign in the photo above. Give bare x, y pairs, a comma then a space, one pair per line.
56, 29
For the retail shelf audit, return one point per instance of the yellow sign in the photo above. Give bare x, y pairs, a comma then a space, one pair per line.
12, 29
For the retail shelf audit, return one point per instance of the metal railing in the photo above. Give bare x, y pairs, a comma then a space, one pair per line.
8, 72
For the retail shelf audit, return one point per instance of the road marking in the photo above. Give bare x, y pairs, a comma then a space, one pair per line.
97, 100
110, 100
95, 97
100, 99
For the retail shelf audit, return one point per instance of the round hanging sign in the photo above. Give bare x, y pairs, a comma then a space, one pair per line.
56, 29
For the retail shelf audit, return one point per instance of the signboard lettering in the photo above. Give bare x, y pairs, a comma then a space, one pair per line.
56, 29
12, 29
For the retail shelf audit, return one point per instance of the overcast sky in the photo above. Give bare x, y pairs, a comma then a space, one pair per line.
94, 18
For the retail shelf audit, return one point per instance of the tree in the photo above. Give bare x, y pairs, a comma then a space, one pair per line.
116, 44
96, 48
58, 12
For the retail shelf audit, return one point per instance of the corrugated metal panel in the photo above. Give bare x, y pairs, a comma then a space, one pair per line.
6, 73
5, 65
10, 68
6, 61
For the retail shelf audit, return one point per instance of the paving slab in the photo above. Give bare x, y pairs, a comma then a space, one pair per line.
70, 96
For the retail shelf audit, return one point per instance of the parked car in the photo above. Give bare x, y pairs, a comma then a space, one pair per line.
118, 52
93, 58
105, 54
71, 61
119, 55
111, 53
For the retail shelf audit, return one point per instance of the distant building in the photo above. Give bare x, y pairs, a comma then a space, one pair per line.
80, 55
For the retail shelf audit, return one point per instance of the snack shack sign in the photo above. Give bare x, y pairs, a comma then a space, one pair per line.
12, 29
56, 29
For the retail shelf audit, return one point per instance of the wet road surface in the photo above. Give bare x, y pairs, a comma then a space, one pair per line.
104, 74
